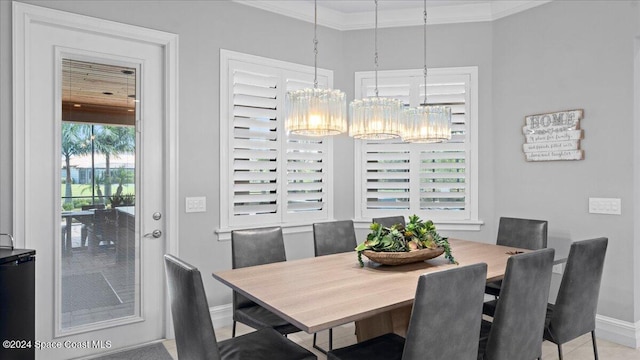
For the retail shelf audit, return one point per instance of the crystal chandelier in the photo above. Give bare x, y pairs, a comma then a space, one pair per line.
375, 118
316, 112
426, 124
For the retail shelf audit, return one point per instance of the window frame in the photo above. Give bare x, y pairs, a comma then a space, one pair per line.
291, 223
471, 221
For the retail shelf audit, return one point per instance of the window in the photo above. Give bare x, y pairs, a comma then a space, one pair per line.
268, 177
434, 181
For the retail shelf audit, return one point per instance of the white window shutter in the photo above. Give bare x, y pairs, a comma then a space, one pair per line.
387, 176
431, 180
307, 166
255, 143
268, 178
444, 167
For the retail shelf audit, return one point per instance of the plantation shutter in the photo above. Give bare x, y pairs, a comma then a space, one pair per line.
269, 177
255, 143
387, 186
387, 176
443, 167
430, 180
306, 180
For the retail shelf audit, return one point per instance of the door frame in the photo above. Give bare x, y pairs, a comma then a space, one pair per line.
24, 16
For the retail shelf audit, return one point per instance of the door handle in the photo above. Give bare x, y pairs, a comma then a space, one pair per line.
13, 242
154, 234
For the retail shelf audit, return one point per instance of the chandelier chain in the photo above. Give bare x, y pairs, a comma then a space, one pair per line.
375, 58
425, 52
315, 44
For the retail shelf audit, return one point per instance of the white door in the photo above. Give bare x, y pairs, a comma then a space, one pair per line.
99, 269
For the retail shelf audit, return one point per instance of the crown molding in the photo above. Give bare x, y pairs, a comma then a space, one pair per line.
450, 14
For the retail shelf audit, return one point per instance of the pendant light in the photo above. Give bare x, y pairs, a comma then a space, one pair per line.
375, 118
424, 123
314, 111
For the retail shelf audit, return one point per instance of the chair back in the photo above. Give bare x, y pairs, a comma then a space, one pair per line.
574, 312
446, 316
522, 233
195, 337
334, 237
104, 224
255, 247
518, 323
389, 221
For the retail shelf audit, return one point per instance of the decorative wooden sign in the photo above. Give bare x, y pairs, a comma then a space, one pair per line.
553, 136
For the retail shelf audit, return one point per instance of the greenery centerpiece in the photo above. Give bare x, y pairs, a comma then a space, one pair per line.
416, 235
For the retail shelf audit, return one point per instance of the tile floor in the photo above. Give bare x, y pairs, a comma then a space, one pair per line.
120, 273
578, 349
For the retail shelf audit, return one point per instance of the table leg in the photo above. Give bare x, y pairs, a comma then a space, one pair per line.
393, 321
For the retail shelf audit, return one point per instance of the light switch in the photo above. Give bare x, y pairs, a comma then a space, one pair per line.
196, 204
609, 206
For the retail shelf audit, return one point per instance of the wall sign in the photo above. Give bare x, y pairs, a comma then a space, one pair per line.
553, 136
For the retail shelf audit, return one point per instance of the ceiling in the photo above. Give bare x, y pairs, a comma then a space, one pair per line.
98, 93
359, 14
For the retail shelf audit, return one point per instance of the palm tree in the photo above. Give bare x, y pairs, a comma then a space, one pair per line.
75, 139
113, 141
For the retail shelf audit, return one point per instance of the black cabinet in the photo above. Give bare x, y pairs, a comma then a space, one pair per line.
17, 303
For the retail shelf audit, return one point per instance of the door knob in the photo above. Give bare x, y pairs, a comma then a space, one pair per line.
154, 234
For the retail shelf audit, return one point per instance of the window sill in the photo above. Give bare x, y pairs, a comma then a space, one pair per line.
224, 234
445, 225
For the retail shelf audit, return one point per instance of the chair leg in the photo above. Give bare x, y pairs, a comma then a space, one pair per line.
559, 351
595, 347
233, 329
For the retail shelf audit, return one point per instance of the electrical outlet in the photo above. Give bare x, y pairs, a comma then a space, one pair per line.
557, 269
196, 204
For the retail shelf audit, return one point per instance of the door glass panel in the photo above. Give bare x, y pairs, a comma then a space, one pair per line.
99, 261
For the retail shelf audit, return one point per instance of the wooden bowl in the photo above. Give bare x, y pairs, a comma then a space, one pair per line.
404, 257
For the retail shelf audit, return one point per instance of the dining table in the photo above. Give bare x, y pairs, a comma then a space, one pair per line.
323, 292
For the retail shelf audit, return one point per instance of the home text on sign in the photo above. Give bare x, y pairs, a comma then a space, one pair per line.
560, 119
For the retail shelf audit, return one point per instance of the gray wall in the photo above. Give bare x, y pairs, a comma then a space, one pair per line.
558, 56
562, 56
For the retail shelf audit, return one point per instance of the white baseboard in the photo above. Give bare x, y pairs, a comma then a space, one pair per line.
221, 315
618, 331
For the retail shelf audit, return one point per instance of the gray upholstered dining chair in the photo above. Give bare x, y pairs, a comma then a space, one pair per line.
444, 324
103, 229
84, 232
574, 312
518, 322
332, 237
257, 247
195, 336
520, 233
389, 221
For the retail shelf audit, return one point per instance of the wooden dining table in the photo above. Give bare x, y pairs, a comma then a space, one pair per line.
323, 292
